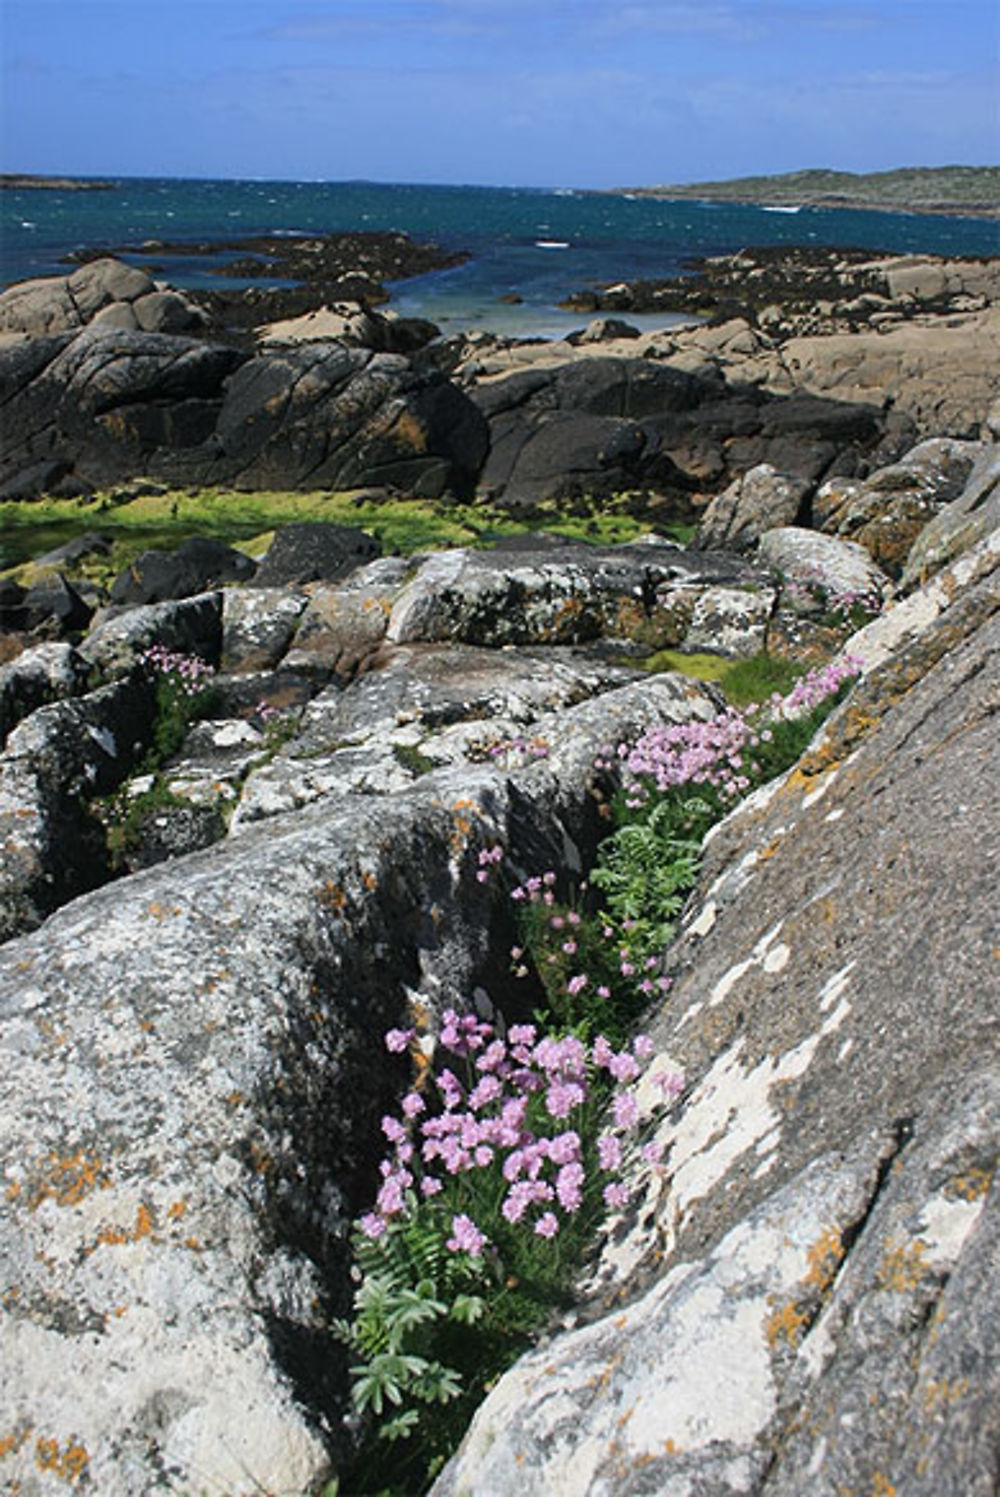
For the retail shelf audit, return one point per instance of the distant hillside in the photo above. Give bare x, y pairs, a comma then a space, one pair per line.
967, 190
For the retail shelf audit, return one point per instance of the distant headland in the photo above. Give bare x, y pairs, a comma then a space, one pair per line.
24, 181
963, 191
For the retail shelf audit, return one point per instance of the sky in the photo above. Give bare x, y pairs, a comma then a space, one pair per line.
574, 93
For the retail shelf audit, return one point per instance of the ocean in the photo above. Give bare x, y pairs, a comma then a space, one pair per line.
537, 244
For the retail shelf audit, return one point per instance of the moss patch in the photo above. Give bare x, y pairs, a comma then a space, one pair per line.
247, 520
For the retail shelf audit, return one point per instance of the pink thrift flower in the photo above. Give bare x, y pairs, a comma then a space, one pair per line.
466, 1236
373, 1225
398, 1040
413, 1104
609, 1151
547, 1225
393, 1130
616, 1194
626, 1110
576, 985
430, 1185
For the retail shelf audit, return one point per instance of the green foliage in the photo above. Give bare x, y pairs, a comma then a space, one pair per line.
429, 1329
742, 681
646, 870
123, 815
757, 678
247, 520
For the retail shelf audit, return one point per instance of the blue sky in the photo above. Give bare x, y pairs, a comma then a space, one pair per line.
528, 92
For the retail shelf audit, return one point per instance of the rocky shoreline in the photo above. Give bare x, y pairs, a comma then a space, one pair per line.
202, 948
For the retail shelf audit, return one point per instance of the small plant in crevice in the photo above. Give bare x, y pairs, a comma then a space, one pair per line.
182, 685
811, 594
513, 1141
503, 1155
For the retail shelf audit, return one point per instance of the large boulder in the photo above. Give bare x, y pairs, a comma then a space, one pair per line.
567, 595
595, 426
760, 500
112, 403
886, 511
961, 524
801, 1296
56, 304
838, 569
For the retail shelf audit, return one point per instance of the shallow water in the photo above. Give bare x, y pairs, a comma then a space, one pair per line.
541, 245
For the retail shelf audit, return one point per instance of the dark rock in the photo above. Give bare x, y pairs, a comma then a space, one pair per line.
92, 543
314, 552
196, 566
52, 604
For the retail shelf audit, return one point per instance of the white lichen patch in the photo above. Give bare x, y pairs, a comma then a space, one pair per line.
945, 1223
731, 1113
812, 796
705, 920
757, 958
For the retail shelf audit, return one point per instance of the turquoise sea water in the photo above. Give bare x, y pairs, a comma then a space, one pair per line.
538, 244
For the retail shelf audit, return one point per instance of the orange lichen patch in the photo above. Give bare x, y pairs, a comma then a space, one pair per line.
332, 897
234, 1099
369, 881
117, 1236
11, 1444
194, 1244
824, 1258
69, 1464
261, 1161
67, 1179
176, 1210
767, 853
943, 1392
161, 912
409, 431
670, 1447
882, 1486
786, 1323
903, 1267
971, 1186
13, 1190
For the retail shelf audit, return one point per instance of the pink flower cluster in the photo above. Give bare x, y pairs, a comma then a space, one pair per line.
512, 1115
717, 753
186, 671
